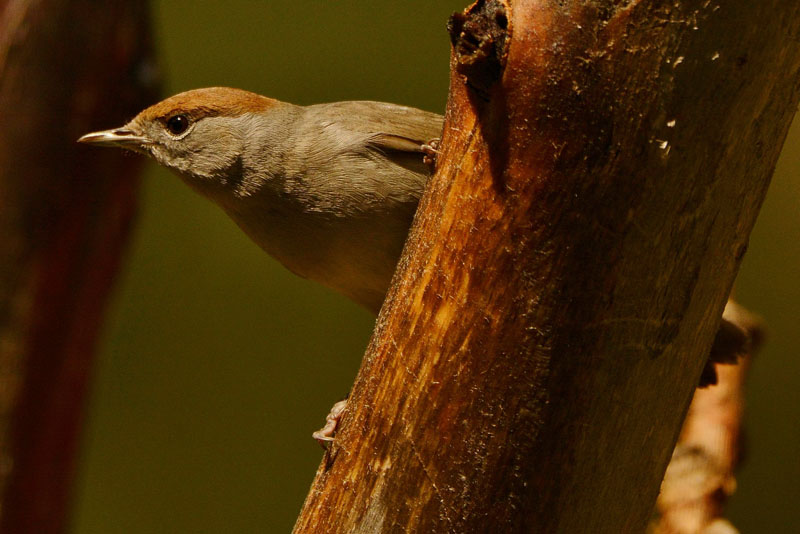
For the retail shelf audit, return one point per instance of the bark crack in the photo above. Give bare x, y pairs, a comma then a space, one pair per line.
436, 490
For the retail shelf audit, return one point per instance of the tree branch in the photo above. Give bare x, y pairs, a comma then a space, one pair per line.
64, 221
700, 476
602, 167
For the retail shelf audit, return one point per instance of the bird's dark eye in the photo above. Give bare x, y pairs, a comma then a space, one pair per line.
177, 124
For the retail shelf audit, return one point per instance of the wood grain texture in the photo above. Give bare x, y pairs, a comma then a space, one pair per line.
66, 68
566, 272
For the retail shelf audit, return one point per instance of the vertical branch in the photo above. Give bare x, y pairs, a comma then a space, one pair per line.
602, 167
64, 221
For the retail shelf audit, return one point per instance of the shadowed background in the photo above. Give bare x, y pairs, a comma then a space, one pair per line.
217, 363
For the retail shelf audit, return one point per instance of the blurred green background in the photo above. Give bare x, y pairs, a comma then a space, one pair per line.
217, 363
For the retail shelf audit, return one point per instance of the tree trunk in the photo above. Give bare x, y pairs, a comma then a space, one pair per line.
602, 167
66, 68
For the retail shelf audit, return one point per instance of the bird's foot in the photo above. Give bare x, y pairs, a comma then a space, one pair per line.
740, 332
431, 152
324, 435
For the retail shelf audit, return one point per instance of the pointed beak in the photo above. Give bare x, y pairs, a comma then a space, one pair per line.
119, 137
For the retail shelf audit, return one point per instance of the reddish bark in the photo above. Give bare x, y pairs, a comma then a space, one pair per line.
600, 173
65, 68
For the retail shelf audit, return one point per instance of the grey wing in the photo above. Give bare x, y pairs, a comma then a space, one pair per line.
397, 132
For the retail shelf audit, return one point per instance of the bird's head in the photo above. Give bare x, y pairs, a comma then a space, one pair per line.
200, 134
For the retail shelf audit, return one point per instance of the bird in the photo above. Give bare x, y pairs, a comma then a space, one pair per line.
329, 190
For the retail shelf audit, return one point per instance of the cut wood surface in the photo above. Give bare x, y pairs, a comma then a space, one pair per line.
602, 166
66, 68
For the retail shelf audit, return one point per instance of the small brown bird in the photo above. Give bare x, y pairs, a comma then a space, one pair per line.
328, 190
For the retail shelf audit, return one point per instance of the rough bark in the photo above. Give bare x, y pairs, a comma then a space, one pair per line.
567, 269
66, 68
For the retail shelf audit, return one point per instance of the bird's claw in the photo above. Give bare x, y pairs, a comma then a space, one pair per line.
740, 332
325, 435
431, 152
